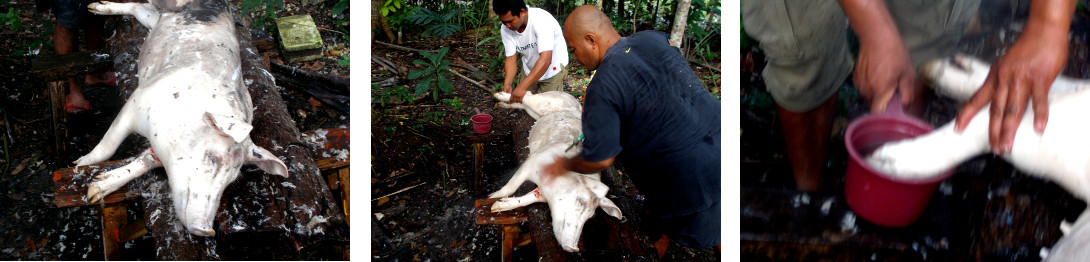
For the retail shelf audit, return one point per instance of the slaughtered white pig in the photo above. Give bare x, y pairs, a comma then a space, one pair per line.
1059, 154
572, 197
190, 104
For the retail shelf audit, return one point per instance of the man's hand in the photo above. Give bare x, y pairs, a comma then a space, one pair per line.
884, 67
1025, 72
556, 169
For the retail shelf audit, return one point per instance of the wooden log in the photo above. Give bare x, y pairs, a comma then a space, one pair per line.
70, 185
508, 224
314, 214
71, 65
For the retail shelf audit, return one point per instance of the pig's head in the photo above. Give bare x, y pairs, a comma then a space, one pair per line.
206, 163
572, 199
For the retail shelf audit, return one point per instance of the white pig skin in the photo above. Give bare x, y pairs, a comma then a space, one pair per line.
572, 197
1060, 154
190, 104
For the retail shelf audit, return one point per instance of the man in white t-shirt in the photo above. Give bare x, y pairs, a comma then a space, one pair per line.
536, 35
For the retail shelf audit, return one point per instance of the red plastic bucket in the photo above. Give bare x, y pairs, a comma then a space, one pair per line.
482, 123
880, 198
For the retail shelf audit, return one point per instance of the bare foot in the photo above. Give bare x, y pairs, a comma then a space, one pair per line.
75, 102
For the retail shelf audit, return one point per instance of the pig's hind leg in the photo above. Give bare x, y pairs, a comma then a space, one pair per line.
144, 12
110, 181
119, 129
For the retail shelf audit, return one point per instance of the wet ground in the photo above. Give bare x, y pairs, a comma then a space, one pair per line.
986, 211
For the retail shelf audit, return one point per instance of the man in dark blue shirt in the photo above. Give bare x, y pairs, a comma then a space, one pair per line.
646, 108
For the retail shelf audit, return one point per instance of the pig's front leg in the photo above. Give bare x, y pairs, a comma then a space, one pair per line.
144, 12
931, 154
110, 181
119, 129
509, 203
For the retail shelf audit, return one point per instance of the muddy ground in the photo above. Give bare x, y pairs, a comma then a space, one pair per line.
422, 159
986, 211
35, 228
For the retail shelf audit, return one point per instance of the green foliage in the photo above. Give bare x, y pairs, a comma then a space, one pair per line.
434, 117
493, 53
266, 17
439, 25
11, 18
390, 129
455, 103
344, 60
44, 42
379, 95
340, 7
389, 7
434, 73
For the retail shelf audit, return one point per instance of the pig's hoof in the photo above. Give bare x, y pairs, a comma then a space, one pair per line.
94, 194
204, 232
504, 205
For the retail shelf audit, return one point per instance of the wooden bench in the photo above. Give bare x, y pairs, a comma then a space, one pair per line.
508, 222
56, 71
70, 188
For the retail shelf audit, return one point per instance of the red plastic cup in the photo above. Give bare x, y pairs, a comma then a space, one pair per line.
880, 198
482, 123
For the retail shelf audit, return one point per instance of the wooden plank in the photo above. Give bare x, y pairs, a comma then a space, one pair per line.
70, 185
57, 91
345, 193
113, 218
328, 146
72, 65
509, 233
483, 215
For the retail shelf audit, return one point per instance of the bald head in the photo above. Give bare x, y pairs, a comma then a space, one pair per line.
589, 33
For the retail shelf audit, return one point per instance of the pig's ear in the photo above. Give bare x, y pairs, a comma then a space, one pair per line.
610, 208
266, 161
230, 126
599, 189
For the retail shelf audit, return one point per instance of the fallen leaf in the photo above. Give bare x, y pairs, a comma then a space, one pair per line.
20, 167
314, 102
317, 65
382, 201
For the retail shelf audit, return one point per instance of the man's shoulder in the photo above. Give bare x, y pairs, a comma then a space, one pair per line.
538, 13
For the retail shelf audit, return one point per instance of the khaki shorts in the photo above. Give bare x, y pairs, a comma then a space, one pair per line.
555, 83
806, 42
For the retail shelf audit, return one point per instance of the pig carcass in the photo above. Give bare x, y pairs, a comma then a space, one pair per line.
190, 104
1059, 154
572, 197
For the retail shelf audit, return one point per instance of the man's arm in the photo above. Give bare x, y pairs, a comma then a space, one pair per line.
543, 60
883, 65
1025, 72
510, 64
577, 164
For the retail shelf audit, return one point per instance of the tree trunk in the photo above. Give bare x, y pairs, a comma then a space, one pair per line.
655, 15
681, 15
378, 20
607, 6
620, 9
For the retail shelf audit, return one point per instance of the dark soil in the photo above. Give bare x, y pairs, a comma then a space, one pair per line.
35, 228
422, 146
